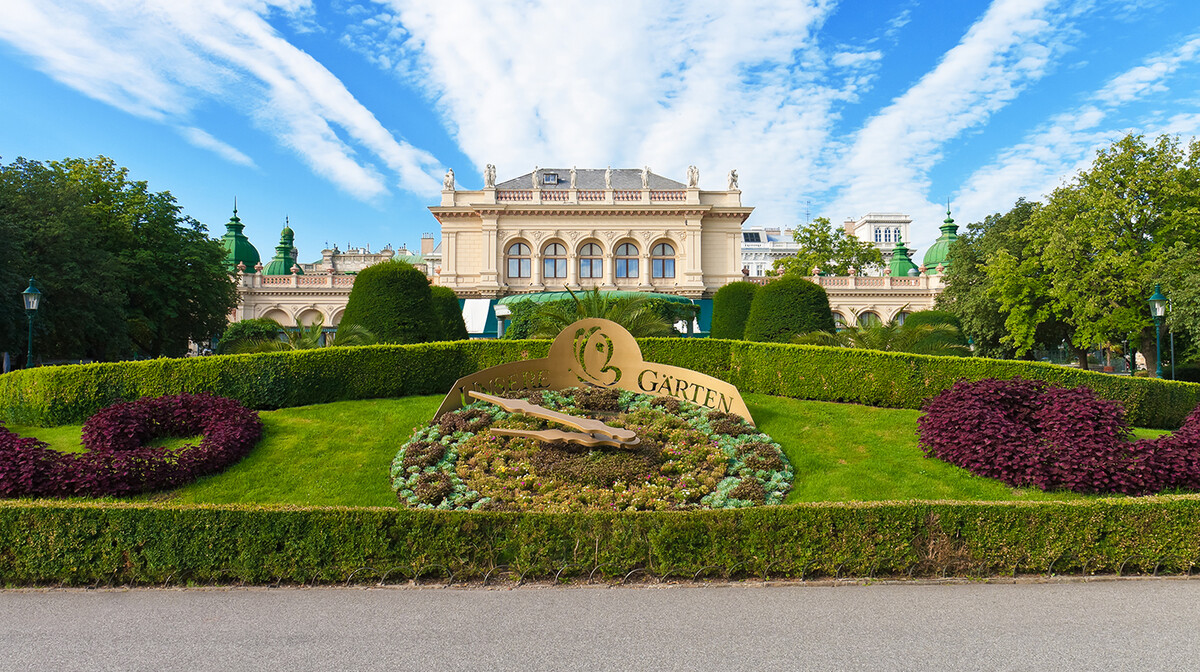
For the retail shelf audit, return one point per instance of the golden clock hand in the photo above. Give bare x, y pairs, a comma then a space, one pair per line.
552, 435
625, 436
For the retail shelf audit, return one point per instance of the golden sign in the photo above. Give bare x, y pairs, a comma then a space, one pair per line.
594, 433
598, 353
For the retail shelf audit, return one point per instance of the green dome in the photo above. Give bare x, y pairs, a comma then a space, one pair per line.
901, 263
237, 246
282, 262
939, 253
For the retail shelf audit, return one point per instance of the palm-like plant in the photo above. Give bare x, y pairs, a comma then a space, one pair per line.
920, 339
633, 312
306, 337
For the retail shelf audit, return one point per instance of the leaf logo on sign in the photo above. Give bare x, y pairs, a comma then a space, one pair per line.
593, 353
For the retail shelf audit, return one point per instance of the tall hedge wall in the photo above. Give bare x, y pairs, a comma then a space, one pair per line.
69, 394
96, 543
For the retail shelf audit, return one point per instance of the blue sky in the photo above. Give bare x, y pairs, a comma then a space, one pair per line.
344, 115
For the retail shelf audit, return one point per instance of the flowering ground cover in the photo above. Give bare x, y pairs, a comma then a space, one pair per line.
688, 458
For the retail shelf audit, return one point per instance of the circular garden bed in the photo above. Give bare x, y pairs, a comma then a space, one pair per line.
688, 458
118, 462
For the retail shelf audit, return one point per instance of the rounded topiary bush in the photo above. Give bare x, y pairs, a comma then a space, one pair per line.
1028, 433
785, 307
445, 301
394, 302
731, 309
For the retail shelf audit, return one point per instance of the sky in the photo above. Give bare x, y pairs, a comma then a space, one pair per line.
341, 117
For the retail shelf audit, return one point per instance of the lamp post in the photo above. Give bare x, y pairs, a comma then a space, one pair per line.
32, 297
1158, 306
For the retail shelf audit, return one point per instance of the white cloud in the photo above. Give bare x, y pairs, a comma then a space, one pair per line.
855, 59
1067, 143
202, 138
158, 59
563, 82
887, 167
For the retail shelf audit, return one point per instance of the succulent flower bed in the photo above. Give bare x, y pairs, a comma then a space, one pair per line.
689, 458
117, 461
1029, 433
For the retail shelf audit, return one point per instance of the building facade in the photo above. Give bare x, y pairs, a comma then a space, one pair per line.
589, 228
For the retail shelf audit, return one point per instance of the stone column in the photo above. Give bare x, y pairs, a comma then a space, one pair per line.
610, 262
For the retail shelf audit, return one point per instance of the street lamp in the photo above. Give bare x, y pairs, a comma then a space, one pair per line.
32, 297
1158, 306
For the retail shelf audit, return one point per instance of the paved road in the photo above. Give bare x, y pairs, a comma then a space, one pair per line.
1107, 625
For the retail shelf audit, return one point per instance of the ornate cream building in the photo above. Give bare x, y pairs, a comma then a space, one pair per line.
589, 228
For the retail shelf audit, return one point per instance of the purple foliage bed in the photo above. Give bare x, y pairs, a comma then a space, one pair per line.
117, 461
1027, 433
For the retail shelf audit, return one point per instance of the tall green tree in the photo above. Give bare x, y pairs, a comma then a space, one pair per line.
973, 295
123, 272
831, 249
1097, 247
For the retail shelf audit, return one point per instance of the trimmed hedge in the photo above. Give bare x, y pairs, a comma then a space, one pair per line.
731, 308
786, 307
94, 543
445, 302
61, 395
393, 301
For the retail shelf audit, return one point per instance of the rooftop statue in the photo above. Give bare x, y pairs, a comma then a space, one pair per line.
693, 177
733, 178
645, 177
448, 181
608, 178
489, 177
572, 177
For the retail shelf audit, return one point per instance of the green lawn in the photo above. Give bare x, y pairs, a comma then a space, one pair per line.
340, 453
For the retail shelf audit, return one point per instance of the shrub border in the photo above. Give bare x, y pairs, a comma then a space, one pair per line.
46, 542
68, 394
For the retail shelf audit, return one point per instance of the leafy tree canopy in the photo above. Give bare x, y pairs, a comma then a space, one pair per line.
831, 249
123, 272
1092, 254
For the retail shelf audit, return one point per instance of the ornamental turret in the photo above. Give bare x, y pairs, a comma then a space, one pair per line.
237, 247
284, 261
901, 264
939, 253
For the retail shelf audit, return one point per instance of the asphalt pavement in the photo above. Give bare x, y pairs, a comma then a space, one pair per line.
1140, 624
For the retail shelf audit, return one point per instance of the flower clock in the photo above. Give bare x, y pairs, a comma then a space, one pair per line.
118, 461
589, 449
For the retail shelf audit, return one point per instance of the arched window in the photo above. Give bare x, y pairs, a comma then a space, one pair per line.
662, 261
899, 318
868, 319
554, 262
839, 322
518, 260
627, 260
590, 263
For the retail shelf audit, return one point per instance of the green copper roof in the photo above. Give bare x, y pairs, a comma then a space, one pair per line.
282, 262
542, 297
901, 264
237, 246
939, 253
